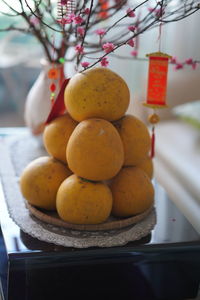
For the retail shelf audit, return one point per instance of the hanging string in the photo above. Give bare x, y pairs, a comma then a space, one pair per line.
159, 36
137, 39
64, 9
160, 25
153, 142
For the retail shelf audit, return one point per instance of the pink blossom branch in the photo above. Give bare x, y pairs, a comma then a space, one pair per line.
71, 37
189, 13
120, 45
114, 24
44, 23
86, 28
100, 20
177, 65
13, 28
38, 35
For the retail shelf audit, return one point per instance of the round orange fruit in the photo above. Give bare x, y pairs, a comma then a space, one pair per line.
147, 166
135, 138
40, 181
97, 93
132, 192
95, 150
83, 202
56, 136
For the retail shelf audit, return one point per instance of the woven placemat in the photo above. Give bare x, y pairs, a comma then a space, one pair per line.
16, 153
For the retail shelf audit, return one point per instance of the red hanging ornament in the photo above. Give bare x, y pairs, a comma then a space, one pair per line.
157, 80
53, 73
53, 76
157, 87
52, 87
153, 119
56, 75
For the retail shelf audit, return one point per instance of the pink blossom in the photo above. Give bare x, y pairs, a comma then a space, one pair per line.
85, 64
64, 21
130, 13
79, 49
78, 20
104, 62
178, 66
173, 60
108, 47
71, 16
150, 9
87, 11
131, 28
158, 12
81, 31
189, 61
134, 53
100, 31
131, 43
67, 20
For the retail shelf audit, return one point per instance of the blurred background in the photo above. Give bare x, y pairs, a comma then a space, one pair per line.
20, 56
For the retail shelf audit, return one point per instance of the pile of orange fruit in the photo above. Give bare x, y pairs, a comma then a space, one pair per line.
98, 160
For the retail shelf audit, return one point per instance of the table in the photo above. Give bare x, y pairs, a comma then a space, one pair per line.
163, 265
181, 180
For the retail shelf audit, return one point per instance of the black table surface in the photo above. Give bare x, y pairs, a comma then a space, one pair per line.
171, 250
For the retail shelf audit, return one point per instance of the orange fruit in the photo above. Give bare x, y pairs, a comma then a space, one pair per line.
83, 202
97, 93
56, 136
147, 166
40, 181
132, 192
95, 150
135, 138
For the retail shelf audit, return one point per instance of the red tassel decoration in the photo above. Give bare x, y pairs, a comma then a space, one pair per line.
153, 143
58, 107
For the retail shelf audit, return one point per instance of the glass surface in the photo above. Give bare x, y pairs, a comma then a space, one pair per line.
172, 228
163, 265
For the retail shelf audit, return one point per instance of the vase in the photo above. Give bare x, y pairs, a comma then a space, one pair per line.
38, 102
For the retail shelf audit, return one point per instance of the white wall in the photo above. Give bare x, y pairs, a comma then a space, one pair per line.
180, 39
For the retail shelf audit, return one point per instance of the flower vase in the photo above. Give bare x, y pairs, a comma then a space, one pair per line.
38, 102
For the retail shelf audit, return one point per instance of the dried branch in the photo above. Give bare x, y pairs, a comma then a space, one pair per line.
126, 15
85, 31
13, 28
68, 31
